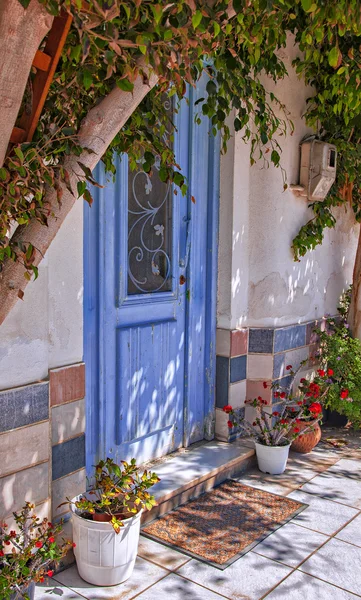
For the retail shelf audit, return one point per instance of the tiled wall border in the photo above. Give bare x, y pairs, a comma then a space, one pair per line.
268, 352
42, 438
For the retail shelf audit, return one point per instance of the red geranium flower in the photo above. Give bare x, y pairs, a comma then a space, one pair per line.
265, 385
296, 429
283, 421
39, 544
2, 553
50, 524
276, 414
288, 367
303, 380
344, 394
50, 573
51, 540
283, 394
227, 409
230, 424
74, 545
254, 423
7, 542
41, 579
276, 394
315, 408
12, 533
299, 402
330, 372
321, 372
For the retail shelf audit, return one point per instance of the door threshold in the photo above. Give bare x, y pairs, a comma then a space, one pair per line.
191, 471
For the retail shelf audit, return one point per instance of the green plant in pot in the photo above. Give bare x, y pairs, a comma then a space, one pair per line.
28, 553
275, 426
106, 521
340, 355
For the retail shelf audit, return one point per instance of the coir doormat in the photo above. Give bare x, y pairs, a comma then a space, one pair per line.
222, 525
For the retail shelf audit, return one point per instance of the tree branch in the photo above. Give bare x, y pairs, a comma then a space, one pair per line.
21, 32
97, 131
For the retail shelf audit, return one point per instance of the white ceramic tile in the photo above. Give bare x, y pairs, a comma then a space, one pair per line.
334, 486
161, 555
174, 587
52, 589
338, 563
28, 485
144, 575
67, 487
23, 447
300, 586
223, 342
317, 515
237, 393
352, 532
290, 544
67, 420
260, 366
248, 578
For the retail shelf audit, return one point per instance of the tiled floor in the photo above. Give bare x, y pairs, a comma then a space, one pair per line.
316, 556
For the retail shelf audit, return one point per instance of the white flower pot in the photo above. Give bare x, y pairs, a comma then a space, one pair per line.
104, 557
272, 459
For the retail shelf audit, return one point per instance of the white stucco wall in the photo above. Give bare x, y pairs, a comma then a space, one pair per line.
259, 283
45, 330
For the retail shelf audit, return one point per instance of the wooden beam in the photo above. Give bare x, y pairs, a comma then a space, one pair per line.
41, 61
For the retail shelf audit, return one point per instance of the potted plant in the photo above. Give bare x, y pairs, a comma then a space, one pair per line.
314, 393
106, 521
28, 554
276, 426
340, 355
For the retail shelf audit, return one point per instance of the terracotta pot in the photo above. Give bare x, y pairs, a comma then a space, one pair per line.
101, 517
306, 442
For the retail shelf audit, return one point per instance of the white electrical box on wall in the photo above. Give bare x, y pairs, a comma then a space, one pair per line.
318, 168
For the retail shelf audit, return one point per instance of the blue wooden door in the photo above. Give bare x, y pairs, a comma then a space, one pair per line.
149, 302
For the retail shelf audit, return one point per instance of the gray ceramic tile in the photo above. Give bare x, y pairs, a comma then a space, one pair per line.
222, 381
248, 578
24, 406
290, 544
317, 515
352, 532
68, 456
52, 589
290, 337
334, 486
278, 365
174, 587
338, 563
144, 575
300, 586
161, 555
261, 340
238, 370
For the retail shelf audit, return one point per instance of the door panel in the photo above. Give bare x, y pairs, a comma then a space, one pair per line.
149, 337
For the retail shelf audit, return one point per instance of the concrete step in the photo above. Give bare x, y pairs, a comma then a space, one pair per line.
190, 472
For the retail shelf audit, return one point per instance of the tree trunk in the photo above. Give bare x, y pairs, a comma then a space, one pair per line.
354, 317
21, 32
97, 131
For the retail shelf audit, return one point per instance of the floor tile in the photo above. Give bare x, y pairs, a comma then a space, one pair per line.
249, 578
333, 485
348, 468
294, 477
338, 563
54, 590
174, 587
290, 544
144, 575
317, 515
300, 586
161, 555
352, 533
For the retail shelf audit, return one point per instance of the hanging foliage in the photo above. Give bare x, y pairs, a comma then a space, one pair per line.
236, 44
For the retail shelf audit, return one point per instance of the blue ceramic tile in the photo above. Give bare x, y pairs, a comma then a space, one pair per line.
24, 406
290, 337
261, 340
222, 381
278, 365
238, 369
68, 456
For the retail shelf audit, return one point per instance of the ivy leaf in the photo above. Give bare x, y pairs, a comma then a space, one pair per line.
125, 85
24, 3
306, 5
196, 19
87, 79
334, 57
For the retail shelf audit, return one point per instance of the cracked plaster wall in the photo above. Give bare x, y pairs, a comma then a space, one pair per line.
259, 284
45, 330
